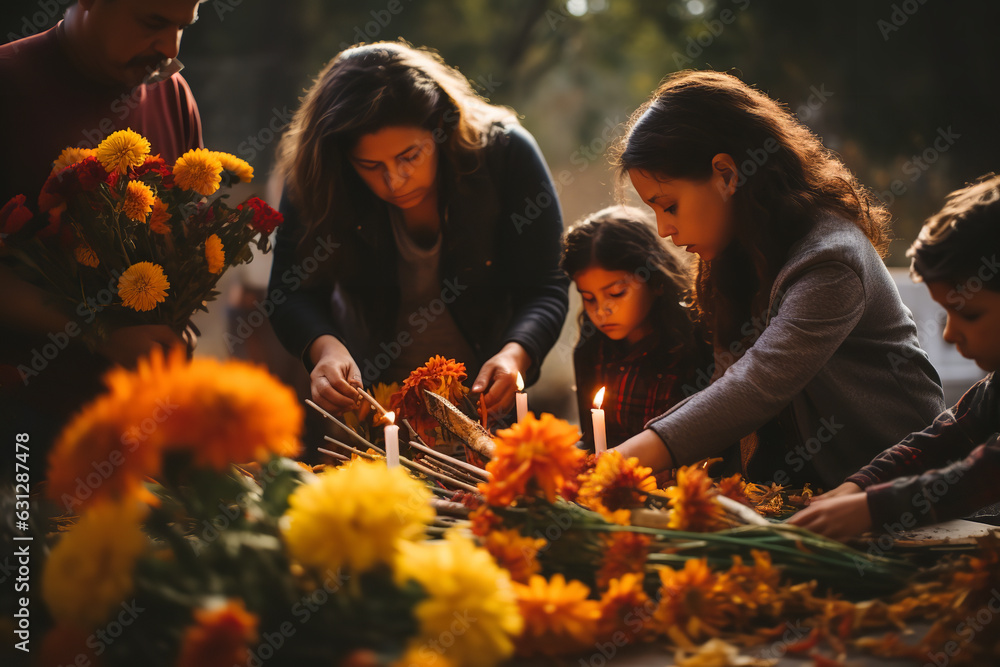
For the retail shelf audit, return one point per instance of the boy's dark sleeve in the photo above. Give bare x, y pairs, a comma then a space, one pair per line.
539, 289
951, 492
953, 435
302, 312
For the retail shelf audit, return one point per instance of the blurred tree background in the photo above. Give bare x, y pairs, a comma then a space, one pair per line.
904, 90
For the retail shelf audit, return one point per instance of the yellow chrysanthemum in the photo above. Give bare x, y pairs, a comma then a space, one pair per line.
122, 151
159, 218
86, 256
221, 412
460, 577
532, 455
558, 616
624, 552
89, 572
231, 163
214, 254
515, 553
616, 485
354, 516
71, 156
199, 170
138, 201
142, 286
693, 506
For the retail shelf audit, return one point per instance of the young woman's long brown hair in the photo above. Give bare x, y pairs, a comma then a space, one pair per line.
362, 90
786, 176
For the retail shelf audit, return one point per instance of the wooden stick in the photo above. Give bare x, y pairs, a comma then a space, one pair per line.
335, 455
347, 447
442, 467
371, 399
412, 466
341, 424
451, 460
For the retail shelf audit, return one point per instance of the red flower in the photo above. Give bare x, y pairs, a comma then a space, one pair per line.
154, 164
89, 173
85, 175
265, 218
14, 214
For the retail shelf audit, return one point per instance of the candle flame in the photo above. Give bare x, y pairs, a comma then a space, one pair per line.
391, 417
520, 382
599, 398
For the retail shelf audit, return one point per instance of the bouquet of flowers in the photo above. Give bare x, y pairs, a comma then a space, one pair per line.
122, 237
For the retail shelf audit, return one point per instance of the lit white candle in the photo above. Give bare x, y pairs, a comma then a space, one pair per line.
600, 436
521, 398
391, 441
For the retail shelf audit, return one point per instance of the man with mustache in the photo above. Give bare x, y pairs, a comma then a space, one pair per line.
108, 65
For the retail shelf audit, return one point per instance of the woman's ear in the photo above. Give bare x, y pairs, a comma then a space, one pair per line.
725, 174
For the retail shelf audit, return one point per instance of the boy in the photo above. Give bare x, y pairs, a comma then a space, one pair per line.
951, 468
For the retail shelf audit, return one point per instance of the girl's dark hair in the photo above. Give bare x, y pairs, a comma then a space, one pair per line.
960, 240
785, 176
362, 90
623, 238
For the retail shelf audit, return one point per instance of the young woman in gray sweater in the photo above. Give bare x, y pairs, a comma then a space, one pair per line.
817, 364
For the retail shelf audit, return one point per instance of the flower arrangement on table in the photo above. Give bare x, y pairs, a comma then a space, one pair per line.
122, 237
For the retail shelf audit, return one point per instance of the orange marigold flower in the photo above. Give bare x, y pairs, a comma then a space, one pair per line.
86, 256
734, 488
515, 553
622, 603
199, 170
221, 412
692, 605
532, 455
138, 201
558, 616
219, 637
692, 502
616, 485
122, 150
143, 286
240, 168
484, 520
439, 376
215, 254
625, 552
159, 219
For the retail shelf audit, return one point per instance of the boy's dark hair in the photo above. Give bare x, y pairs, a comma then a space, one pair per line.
962, 240
623, 238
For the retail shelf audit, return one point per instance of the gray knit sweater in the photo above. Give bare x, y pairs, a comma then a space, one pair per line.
837, 359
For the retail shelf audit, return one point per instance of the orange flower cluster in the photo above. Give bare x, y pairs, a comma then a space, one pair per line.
217, 413
692, 502
220, 636
625, 608
440, 376
558, 616
624, 552
615, 485
515, 553
532, 456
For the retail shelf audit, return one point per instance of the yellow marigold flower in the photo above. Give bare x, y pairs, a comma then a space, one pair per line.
86, 255
624, 552
440, 376
515, 553
159, 219
624, 603
199, 170
616, 485
423, 656
532, 455
231, 163
122, 151
355, 516
214, 254
138, 201
693, 506
142, 286
89, 572
222, 412
558, 616
70, 156
219, 637
459, 576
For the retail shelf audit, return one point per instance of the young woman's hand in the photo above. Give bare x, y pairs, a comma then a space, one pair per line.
649, 449
839, 518
335, 378
497, 380
845, 489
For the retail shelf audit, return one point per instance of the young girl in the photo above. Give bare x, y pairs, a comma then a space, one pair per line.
405, 233
950, 469
637, 339
818, 367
